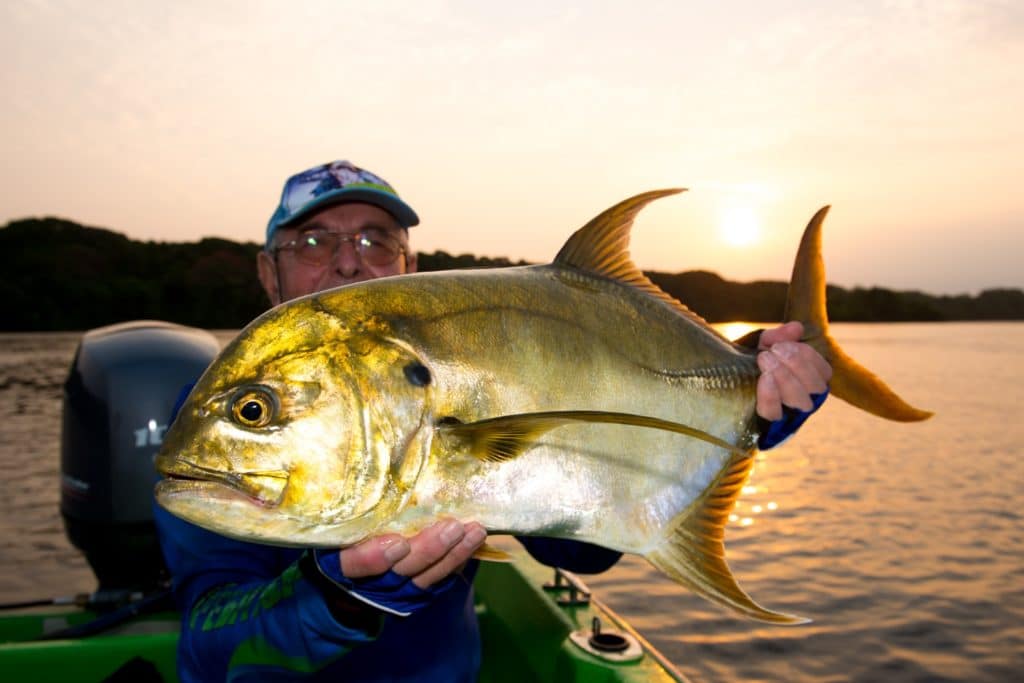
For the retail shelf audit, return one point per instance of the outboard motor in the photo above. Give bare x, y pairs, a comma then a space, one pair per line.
118, 398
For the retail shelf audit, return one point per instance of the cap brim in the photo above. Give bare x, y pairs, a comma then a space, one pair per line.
401, 211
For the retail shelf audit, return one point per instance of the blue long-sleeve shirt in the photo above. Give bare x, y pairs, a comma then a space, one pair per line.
248, 613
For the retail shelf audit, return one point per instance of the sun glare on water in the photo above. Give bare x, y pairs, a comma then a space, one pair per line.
735, 330
739, 226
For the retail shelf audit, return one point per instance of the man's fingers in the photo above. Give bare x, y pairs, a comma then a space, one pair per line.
439, 550
792, 390
429, 546
787, 385
474, 537
373, 556
791, 331
769, 403
428, 557
812, 371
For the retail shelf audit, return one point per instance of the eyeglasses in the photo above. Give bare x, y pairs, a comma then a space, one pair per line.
318, 247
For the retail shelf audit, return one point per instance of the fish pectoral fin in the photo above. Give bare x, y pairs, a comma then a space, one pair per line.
499, 439
488, 553
693, 552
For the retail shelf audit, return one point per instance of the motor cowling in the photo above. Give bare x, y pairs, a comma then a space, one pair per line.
118, 398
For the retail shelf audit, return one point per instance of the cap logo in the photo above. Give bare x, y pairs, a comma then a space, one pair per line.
304, 187
319, 185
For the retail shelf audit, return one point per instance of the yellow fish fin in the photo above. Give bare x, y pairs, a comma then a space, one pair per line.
502, 438
693, 553
805, 302
488, 553
602, 246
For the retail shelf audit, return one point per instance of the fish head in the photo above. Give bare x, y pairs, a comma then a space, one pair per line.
307, 430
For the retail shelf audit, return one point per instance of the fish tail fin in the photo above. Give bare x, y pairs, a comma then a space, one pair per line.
805, 303
693, 552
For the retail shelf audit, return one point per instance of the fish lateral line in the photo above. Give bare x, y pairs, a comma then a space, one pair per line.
499, 439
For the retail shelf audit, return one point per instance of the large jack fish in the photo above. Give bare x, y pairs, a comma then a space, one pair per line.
573, 400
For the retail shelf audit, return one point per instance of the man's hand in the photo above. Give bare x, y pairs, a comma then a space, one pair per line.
427, 558
790, 371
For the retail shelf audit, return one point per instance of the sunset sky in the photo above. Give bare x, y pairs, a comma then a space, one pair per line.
509, 125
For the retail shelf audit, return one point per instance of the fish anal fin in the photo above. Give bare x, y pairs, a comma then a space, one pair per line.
693, 551
503, 438
806, 303
488, 553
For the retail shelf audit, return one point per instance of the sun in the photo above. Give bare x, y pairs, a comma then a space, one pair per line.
739, 226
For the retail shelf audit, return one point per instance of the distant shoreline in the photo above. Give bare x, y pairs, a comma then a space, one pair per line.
59, 275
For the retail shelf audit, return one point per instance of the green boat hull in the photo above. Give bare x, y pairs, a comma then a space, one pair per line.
527, 636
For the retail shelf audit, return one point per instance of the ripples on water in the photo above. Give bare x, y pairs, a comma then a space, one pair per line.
903, 543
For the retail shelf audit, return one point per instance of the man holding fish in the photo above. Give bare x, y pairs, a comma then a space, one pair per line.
393, 606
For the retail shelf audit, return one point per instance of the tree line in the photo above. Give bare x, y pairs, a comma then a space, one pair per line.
59, 275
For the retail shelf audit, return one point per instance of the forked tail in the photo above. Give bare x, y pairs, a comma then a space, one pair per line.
805, 302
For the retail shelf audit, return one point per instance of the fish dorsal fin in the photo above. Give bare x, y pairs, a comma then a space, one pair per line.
693, 552
503, 438
602, 247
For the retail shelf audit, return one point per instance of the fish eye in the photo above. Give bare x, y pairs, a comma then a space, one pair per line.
253, 408
417, 374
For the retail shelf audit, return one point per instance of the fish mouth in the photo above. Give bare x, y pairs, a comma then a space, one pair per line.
263, 487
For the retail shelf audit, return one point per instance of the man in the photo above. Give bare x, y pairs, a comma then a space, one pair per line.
389, 608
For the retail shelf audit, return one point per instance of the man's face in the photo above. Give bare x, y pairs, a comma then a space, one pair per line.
287, 273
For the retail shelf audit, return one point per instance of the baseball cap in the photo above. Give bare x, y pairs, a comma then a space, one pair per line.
333, 183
